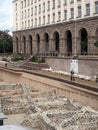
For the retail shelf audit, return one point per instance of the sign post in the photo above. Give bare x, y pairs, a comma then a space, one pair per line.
74, 65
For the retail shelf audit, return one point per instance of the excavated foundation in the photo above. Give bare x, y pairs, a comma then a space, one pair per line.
45, 110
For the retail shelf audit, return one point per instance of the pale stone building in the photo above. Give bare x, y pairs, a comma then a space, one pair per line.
55, 27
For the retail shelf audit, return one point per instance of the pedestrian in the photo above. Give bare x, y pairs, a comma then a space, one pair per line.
72, 75
97, 79
6, 64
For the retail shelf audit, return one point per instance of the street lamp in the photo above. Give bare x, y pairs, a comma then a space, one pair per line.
75, 40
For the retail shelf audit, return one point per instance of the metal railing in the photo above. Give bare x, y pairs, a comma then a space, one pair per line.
68, 54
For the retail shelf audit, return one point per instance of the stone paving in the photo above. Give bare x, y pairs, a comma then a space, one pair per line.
45, 110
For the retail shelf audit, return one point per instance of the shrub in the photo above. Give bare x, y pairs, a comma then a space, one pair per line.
84, 45
38, 59
34, 59
42, 60
19, 57
96, 44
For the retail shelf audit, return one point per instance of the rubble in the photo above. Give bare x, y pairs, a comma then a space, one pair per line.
46, 110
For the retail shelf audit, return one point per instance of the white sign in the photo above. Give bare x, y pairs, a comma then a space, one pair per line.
74, 65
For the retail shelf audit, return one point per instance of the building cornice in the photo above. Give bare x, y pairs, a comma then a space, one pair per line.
14, 1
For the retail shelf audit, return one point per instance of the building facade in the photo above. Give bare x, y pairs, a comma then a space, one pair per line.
55, 27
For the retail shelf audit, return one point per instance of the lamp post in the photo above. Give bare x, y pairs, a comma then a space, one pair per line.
75, 40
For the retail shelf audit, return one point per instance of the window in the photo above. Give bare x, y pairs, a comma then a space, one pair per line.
25, 13
28, 23
28, 12
31, 1
72, 13
22, 4
59, 16
53, 4
35, 21
32, 22
16, 26
16, 7
16, 16
25, 24
22, 14
39, 9
79, 11
96, 7
43, 7
53, 17
65, 2
22, 25
39, 20
35, 10
71, 1
31, 11
59, 3
28, 2
48, 5
43, 19
65, 14
87, 9
48, 19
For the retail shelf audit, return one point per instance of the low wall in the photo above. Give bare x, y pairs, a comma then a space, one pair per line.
85, 97
86, 67
9, 75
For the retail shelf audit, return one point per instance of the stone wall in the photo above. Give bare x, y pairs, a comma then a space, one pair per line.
86, 67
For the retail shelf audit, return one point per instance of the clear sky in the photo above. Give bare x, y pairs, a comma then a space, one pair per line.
6, 19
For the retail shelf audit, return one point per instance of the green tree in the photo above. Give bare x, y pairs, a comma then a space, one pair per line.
84, 47
6, 45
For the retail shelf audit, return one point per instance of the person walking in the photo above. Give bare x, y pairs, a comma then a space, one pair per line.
97, 80
72, 75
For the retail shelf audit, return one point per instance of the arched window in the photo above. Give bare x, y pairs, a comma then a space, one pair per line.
46, 42
84, 41
96, 34
56, 41
38, 43
69, 42
30, 44
24, 44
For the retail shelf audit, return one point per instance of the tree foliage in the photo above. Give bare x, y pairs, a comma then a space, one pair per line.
96, 44
84, 46
5, 42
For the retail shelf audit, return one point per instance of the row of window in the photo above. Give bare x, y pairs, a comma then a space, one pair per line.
27, 3
42, 20
28, 20
26, 13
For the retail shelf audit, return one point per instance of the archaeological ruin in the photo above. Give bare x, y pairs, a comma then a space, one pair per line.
44, 110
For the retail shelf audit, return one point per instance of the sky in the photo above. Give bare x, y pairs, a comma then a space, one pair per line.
6, 18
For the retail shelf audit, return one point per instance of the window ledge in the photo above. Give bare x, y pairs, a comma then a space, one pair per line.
86, 15
95, 13
78, 17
